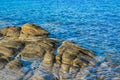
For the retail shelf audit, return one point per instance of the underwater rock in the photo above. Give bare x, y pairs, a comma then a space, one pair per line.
31, 44
42, 76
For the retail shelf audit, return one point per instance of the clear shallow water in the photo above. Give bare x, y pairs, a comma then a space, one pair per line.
94, 24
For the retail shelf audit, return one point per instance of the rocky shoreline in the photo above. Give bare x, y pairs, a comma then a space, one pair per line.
26, 53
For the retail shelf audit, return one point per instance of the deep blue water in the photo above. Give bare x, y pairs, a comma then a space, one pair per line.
94, 24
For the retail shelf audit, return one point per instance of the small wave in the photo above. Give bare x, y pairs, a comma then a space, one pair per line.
3, 22
107, 68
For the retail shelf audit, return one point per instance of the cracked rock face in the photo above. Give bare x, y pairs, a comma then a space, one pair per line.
26, 53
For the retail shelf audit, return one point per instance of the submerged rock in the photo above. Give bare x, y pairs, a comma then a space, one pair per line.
31, 44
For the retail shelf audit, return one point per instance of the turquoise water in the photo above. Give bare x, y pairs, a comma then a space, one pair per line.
94, 24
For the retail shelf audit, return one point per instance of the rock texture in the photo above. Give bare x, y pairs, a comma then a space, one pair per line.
28, 53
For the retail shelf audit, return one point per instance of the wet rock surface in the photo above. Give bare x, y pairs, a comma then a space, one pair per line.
26, 53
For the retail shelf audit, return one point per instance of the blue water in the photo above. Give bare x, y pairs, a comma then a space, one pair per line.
94, 24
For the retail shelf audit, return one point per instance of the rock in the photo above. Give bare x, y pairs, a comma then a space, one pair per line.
68, 58
33, 30
4, 51
6, 55
72, 58
65, 67
48, 44
79, 63
74, 70
32, 50
42, 75
49, 59
10, 31
17, 45
8, 50
35, 49
3, 31
13, 32
3, 62
58, 59
15, 64
28, 52
74, 55
35, 77
1, 35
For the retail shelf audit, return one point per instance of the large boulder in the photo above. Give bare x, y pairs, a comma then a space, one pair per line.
72, 58
33, 30
74, 55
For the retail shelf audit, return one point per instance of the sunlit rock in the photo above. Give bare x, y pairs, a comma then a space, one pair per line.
21, 47
34, 30
74, 55
11, 31
49, 59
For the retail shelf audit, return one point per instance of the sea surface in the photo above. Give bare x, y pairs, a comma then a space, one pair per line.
94, 24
